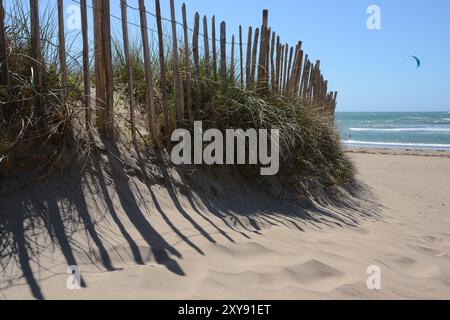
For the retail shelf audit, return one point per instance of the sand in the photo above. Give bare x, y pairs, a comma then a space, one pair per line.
135, 239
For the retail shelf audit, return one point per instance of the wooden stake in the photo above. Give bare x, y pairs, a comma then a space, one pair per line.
289, 72
103, 68
262, 51
176, 75
62, 50
100, 74
148, 73
277, 65
255, 51
232, 60
36, 53
296, 87
223, 55
206, 45
162, 67
4, 72
86, 71
302, 82
286, 52
107, 54
267, 58
214, 48
188, 63
282, 70
196, 54
241, 56
248, 64
130, 76
272, 61
316, 80
4, 76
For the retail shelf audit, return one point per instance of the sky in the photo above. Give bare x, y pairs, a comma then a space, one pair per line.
369, 68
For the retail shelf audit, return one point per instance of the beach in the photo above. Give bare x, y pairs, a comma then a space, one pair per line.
266, 255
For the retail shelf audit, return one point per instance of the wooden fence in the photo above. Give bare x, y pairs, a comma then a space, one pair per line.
266, 64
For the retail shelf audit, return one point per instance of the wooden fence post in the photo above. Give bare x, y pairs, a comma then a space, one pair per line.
100, 86
232, 60
304, 73
214, 47
310, 81
188, 63
36, 53
255, 51
206, 44
286, 54
223, 55
324, 90
196, 54
272, 61
290, 69
298, 74
241, 56
62, 50
277, 65
262, 51
267, 58
126, 46
176, 74
103, 67
86, 71
248, 65
4, 76
107, 40
148, 73
162, 66
316, 81
282, 69
334, 103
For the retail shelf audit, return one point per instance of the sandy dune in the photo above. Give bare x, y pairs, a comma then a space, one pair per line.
144, 241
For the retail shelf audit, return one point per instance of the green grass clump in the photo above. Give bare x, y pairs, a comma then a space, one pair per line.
309, 145
33, 137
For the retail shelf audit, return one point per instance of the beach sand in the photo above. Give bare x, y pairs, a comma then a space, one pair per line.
201, 254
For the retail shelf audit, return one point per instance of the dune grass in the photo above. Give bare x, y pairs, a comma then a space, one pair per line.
309, 145
32, 138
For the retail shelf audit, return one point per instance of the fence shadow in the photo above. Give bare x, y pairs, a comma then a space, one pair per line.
59, 215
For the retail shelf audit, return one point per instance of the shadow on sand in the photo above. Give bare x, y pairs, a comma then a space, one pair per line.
53, 216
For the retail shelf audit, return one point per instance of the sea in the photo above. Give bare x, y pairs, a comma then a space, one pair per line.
396, 130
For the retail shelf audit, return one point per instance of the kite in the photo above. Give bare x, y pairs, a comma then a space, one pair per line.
417, 60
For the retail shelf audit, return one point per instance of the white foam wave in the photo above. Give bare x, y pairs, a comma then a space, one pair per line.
428, 129
396, 144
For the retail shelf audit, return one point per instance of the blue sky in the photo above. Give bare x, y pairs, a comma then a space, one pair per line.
368, 68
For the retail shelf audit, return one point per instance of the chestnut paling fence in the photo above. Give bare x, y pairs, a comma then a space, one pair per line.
260, 61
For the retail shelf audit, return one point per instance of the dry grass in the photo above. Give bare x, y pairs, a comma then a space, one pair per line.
309, 145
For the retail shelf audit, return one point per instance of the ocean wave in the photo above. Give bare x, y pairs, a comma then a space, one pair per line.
416, 118
396, 144
428, 129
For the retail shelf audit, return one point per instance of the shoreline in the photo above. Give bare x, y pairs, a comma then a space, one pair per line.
397, 151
